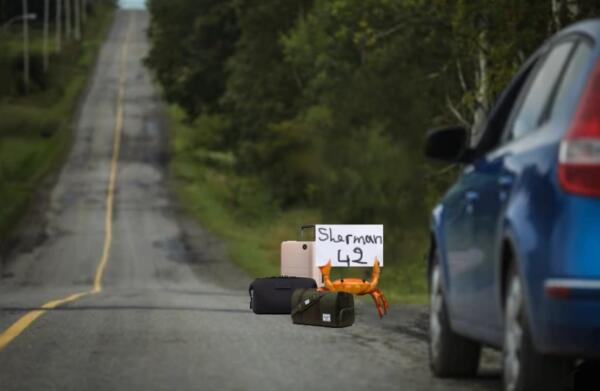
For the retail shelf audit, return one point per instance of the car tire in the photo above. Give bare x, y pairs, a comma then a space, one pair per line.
524, 368
450, 355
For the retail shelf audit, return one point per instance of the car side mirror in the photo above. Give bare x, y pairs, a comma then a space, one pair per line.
449, 144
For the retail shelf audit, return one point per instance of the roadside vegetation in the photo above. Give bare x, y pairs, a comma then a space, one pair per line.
35, 125
286, 113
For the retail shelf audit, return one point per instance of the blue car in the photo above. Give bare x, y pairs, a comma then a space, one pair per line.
515, 242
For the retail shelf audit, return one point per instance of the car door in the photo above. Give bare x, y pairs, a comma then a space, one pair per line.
459, 207
494, 175
464, 202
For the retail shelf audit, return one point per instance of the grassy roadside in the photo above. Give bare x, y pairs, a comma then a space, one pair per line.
240, 212
35, 132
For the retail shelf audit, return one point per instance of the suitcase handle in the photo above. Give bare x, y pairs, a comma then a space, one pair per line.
302, 228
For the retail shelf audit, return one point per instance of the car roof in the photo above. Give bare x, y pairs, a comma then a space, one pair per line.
590, 27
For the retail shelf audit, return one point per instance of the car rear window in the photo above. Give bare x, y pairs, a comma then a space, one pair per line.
572, 81
540, 91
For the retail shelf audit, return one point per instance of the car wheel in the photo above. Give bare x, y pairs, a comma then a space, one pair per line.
524, 368
450, 355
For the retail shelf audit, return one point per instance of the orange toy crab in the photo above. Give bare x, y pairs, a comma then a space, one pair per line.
357, 286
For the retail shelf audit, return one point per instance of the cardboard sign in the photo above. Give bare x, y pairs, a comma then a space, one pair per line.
348, 245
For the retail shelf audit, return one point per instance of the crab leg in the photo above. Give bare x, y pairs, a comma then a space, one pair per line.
380, 302
384, 301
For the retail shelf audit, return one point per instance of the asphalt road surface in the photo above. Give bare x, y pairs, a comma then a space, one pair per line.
112, 289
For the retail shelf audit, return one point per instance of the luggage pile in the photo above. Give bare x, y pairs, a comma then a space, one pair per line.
300, 297
323, 303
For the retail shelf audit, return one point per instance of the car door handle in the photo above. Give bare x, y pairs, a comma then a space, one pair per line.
471, 196
505, 181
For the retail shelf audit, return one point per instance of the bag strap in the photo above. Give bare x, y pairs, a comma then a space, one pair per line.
306, 303
251, 293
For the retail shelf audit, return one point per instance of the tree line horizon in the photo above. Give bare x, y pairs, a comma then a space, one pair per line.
325, 104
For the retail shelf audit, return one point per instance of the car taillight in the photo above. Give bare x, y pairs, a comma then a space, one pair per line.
579, 157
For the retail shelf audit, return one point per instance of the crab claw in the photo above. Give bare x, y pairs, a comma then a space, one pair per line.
380, 302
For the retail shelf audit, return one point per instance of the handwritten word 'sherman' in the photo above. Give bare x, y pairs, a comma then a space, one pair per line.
327, 235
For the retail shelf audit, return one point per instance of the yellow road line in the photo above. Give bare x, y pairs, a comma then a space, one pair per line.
26, 320
110, 196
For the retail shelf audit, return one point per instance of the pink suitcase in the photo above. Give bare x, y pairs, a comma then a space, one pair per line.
297, 259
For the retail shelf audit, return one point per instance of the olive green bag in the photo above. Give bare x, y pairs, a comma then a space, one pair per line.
329, 309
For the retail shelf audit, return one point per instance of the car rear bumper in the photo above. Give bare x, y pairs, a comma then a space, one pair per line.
568, 321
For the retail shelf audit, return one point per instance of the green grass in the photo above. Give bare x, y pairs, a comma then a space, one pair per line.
34, 129
240, 212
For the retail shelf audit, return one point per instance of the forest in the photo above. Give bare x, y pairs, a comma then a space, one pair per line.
323, 105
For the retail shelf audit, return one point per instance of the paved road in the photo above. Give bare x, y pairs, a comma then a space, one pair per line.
163, 315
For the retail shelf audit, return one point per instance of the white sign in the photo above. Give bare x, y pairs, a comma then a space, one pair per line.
348, 245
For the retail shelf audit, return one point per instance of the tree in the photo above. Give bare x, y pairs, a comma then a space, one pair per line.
192, 40
261, 89
326, 102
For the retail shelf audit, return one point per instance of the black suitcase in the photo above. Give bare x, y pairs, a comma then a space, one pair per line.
329, 309
272, 295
